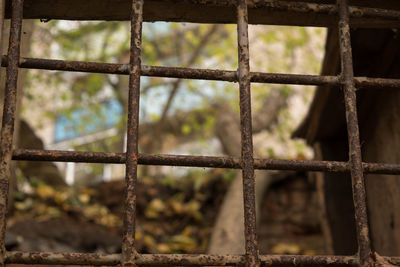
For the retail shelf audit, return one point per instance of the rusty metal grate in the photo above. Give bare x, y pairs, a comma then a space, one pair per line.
129, 256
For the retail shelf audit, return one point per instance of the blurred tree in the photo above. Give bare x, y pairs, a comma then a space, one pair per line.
182, 110
171, 44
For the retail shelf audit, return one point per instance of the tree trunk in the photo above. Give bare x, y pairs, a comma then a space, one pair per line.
228, 232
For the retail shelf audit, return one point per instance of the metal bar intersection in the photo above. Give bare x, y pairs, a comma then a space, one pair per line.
129, 256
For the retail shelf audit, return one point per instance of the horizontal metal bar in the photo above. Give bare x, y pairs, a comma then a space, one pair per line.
361, 82
69, 156
313, 8
201, 74
18, 257
199, 161
302, 7
294, 13
51, 258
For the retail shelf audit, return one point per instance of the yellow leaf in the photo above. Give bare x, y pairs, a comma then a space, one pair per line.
155, 207
60, 197
45, 191
193, 209
138, 235
187, 231
185, 243
84, 198
284, 248
87, 191
163, 248
109, 220
149, 241
176, 206
26, 205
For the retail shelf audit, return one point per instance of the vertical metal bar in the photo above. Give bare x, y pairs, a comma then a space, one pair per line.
247, 160
2, 15
10, 102
356, 171
128, 247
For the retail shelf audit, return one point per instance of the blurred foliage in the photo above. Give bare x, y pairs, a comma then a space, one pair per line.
273, 49
44, 202
175, 212
174, 216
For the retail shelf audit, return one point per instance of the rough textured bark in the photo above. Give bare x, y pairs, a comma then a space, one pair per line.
228, 231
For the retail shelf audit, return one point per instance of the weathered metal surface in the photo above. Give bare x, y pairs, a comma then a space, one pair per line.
289, 260
356, 168
18, 257
2, 14
128, 244
314, 13
201, 74
305, 14
53, 258
7, 130
246, 130
69, 156
199, 161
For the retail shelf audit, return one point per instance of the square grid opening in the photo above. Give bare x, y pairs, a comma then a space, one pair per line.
132, 158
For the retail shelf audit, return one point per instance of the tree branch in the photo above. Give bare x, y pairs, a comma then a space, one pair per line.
176, 85
265, 118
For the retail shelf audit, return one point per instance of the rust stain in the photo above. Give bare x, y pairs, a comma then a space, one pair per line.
10, 102
201, 74
247, 160
356, 166
129, 256
129, 253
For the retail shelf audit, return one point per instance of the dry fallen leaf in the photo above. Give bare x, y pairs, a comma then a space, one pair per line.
284, 248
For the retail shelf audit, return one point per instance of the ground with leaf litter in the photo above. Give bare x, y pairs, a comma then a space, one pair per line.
174, 216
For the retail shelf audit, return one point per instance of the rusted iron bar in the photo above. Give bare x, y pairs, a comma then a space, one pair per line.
68, 65
312, 8
201, 74
2, 15
246, 130
54, 258
302, 7
10, 103
247, 163
355, 161
184, 73
128, 245
362, 82
199, 161
69, 156
292, 13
